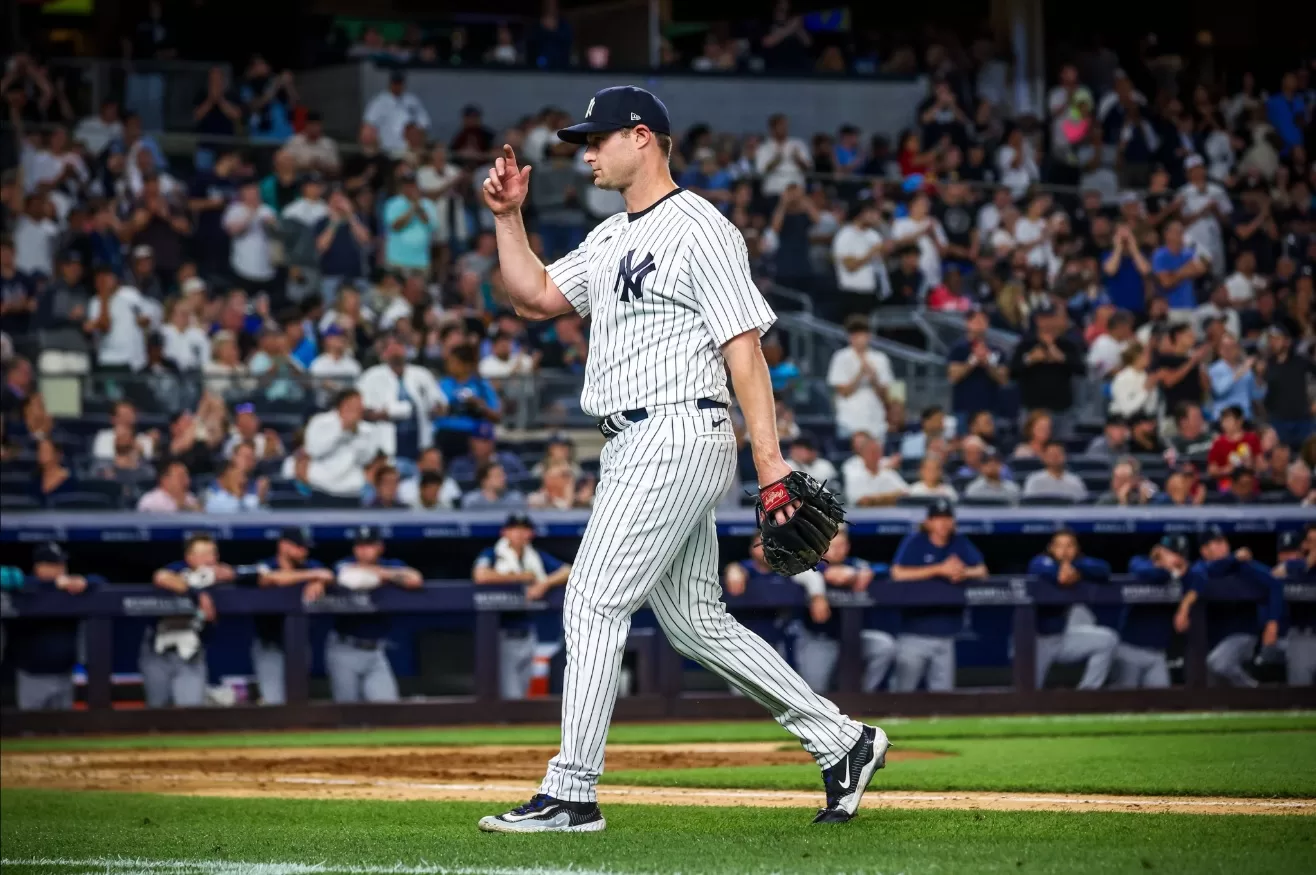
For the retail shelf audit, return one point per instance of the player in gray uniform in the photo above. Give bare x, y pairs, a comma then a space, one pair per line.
44, 651
674, 307
1297, 564
173, 658
513, 560
291, 565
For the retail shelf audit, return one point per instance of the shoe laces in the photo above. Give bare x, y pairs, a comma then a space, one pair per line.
537, 803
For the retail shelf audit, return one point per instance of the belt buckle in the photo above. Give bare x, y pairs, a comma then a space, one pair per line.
609, 427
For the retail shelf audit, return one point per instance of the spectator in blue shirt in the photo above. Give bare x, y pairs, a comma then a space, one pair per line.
936, 553
1068, 633
1236, 381
472, 400
1287, 111
1231, 629
290, 565
1126, 270
514, 561
355, 656
409, 223
44, 652
343, 240
1175, 267
783, 372
481, 452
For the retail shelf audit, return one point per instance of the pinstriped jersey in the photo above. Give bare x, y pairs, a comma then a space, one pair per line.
666, 288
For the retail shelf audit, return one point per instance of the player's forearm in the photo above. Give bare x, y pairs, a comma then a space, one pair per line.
753, 385
524, 276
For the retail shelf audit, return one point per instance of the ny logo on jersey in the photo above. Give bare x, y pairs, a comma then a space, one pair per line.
630, 276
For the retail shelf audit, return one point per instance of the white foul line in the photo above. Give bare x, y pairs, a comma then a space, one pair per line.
128, 866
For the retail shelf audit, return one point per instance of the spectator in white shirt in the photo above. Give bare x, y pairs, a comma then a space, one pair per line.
931, 481
54, 164
186, 343
804, 457
95, 132
1205, 203
857, 253
504, 361
431, 488
226, 374
122, 419
781, 160
246, 430
923, 230
340, 443
870, 481
120, 316
1217, 308
250, 223
335, 368
35, 234
1134, 389
989, 217
390, 112
402, 399
1016, 161
1244, 283
1106, 351
861, 379
312, 150
1053, 481
440, 182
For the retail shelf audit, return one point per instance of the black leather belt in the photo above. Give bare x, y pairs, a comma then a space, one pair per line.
608, 426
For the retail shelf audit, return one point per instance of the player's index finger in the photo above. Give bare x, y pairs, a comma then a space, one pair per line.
511, 156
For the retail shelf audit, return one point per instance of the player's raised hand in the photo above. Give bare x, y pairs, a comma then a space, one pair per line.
507, 186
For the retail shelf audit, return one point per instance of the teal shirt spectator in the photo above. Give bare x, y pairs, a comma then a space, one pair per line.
457, 391
784, 376
410, 247
1230, 391
285, 385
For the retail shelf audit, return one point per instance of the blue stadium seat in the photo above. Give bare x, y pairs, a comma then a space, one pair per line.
287, 499
1083, 465
916, 500
16, 480
18, 501
81, 501
1020, 467
985, 501
1047, 501
334, 502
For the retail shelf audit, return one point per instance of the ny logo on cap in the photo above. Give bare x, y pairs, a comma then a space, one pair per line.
589, 110
630, 276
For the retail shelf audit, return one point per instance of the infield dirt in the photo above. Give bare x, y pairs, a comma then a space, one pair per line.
502, 773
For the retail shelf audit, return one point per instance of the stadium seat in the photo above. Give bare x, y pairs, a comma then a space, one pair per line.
1047, 501
916, 500
287, 500
81, 501
985, 501
1020, 467
333, 502
17, 501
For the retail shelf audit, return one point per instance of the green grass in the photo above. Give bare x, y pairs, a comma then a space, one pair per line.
902, 729
89, 831
1209, 764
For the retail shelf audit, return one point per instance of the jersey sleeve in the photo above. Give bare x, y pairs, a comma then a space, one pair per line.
570, 274
485, 559
178, 567
907, 552
550, 563
968, 553
721, 283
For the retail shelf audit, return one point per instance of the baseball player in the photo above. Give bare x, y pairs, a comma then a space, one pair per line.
1297, 563
674, 307
512, 560
44, 651
926, 646
290, 565
1140, 660
1232, 632
173, 658
1065, 634
354, 654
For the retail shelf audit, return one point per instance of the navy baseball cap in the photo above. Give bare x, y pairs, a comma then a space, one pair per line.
1290, 540
295, 536
1176, 544
366, 535
518, 520
623, 106
1212, 533
49, 552
941, 507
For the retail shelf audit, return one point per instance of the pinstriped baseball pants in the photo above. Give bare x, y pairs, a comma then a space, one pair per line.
652, 538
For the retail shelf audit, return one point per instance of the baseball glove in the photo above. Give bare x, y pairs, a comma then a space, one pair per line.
797, 544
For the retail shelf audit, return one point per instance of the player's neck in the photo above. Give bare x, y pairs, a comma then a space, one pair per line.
644, 194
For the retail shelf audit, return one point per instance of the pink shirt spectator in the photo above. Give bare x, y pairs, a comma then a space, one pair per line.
159, 501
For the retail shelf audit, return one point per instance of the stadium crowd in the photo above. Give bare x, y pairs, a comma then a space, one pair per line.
329, 326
